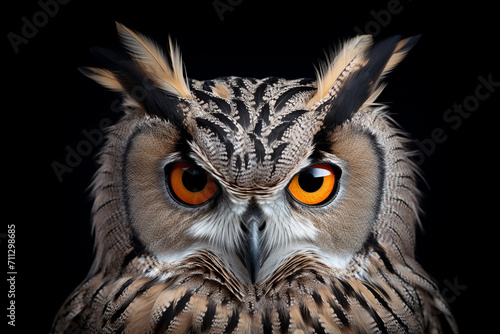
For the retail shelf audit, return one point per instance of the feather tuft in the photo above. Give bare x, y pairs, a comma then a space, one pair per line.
167, 74
400, 52
103, 77
353, 58
330, 70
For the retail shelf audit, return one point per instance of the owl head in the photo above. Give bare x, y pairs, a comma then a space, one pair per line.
250, 170
244, 205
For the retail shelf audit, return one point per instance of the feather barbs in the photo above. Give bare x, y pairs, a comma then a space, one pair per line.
103, 77
354, 56
329, 71
166, 73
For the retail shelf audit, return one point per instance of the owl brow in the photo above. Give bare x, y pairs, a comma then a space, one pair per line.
218, 131
226, 121
281, 101
261, 89
243, 113
260, 151
321, 143
222, 105
286, 122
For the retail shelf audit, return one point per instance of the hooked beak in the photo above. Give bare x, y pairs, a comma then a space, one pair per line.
252, 225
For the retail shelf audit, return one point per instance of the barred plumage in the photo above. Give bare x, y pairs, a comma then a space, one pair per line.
236, 250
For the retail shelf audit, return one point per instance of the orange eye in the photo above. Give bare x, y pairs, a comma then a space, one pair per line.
315, 185
190, 184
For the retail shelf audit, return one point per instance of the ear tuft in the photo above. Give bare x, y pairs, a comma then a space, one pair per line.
400, 52
329, 71
103, 77
166, 73
352, 80
150, 81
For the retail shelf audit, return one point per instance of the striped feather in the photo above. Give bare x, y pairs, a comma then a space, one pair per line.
310, 299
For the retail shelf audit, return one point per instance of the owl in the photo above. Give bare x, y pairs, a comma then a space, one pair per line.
244, 205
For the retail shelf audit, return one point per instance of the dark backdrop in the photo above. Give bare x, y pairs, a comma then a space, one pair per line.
49, 109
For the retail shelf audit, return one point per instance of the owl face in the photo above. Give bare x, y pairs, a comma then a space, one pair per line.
251, 170
242, 205
252, 191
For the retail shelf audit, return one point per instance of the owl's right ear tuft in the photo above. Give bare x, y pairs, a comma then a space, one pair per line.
166, 72
143, 75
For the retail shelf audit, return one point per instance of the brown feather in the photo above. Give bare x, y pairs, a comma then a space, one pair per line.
330, 71
167, 73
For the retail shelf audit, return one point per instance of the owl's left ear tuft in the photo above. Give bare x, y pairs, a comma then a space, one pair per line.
330, 71
351, 80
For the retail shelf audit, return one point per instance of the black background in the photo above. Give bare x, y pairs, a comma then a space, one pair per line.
48, 105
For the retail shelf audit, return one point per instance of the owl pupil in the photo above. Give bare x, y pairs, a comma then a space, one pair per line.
194, 179
311, 180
